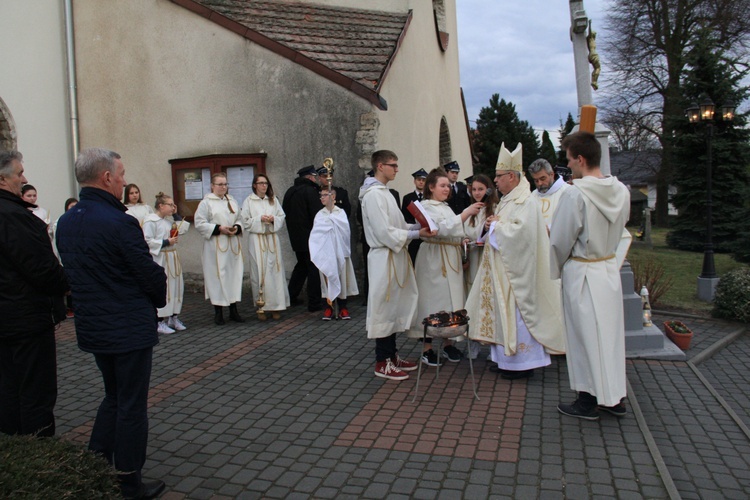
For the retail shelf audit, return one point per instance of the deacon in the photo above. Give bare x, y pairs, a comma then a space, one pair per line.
459, 198
513, 304
392, 294
416, 195
548, 189
331, 252
586, 231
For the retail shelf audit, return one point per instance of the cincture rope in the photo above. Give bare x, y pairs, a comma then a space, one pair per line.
446, 258
600, 259
224, 250
173, 271
392, 267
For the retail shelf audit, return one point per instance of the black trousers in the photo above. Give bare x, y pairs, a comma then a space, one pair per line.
385, 347
306, 270
28, 385
120, 430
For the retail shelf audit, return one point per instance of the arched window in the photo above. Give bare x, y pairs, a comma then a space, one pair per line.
446, 151
7, 128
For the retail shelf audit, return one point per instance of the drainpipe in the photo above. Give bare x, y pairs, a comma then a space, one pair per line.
72, 94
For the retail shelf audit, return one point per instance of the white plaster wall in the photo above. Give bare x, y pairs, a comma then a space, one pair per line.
34, 87
163, 83
422, 86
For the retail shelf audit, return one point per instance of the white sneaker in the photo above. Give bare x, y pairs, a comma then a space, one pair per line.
474, 349
174, 322
163, 328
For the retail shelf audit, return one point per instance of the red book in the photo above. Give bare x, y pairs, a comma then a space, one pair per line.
417, 210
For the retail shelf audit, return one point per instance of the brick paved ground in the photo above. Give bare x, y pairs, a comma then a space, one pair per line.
290, 409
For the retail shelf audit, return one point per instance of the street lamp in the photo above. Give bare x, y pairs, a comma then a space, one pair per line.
705, 113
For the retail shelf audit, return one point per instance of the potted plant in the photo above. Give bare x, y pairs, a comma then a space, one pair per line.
678, 333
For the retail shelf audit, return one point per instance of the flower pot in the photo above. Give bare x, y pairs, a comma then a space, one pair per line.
681, 340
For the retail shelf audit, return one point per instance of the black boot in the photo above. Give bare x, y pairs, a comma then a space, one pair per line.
584, 407
234, 315
218, 315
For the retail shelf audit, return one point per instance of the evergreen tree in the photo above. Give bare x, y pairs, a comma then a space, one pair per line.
565, 129
499, 123
547, 151
711, 74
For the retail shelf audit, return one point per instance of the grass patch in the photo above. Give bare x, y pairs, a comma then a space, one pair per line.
52, 468
683, 267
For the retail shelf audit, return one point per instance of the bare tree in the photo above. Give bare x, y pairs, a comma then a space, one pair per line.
648, 42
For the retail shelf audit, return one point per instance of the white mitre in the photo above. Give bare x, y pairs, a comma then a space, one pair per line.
510, 161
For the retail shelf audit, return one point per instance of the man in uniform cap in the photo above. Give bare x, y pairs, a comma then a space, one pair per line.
459, 198
416, 195
301, 204
342, 195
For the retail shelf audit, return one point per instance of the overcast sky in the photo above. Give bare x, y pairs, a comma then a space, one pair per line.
522, 51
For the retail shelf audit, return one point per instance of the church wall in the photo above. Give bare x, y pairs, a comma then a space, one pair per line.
164, 83
33, 86
422, 86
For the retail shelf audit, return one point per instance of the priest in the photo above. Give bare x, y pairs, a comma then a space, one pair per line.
513, 305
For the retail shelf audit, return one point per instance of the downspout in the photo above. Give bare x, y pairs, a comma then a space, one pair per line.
72, 94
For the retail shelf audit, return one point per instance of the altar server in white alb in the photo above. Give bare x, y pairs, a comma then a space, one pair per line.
331, 252
162, 232
586, 232
218, 220
548, 189
263, 218
392, 293
513, 304
132, 199
439, 268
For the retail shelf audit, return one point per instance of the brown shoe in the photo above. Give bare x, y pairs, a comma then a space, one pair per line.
276, 315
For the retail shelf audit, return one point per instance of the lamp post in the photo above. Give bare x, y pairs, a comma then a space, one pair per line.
708, 279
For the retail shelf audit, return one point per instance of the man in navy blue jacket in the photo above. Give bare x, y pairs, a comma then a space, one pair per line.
116, 289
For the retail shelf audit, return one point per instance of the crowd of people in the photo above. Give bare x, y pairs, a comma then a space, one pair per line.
536, 271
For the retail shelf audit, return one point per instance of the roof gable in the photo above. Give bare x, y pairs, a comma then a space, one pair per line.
353, 48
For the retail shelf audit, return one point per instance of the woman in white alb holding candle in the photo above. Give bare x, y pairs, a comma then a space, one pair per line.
161, 232
263, 218
439, 267
218, 220
132, 200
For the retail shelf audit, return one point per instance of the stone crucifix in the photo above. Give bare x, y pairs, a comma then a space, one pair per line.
579, 22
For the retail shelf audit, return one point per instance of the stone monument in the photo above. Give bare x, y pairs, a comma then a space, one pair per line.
640, 342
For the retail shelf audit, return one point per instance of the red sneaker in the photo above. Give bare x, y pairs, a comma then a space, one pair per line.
402, 364
344, 313
386, 369
328, 314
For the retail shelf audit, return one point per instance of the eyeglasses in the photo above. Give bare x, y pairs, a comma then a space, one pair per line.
169, 204
220, 185
394, 165
325, 195
261, 184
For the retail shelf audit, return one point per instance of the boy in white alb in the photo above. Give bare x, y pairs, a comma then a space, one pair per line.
330, 251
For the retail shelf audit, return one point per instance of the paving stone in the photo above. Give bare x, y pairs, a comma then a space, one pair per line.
231, 421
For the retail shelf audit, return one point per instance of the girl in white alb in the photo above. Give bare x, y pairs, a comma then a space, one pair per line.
136, 207
439, 269
29, 194
263, 218
162, 232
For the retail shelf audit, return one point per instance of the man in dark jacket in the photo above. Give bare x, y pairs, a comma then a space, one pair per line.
30, 278
116, 289
459, 198
301, 203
